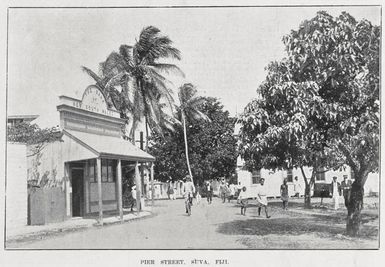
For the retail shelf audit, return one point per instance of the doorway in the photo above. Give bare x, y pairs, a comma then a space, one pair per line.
77, 192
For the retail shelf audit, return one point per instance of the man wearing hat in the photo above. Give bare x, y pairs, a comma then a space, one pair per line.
188, 189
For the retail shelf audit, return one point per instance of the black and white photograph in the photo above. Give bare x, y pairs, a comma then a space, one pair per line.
192, 127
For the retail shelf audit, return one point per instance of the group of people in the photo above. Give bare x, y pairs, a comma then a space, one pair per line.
336, 190
261, 197
227, 191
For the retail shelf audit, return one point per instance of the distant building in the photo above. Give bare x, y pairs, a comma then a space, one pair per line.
274, 178
13, 119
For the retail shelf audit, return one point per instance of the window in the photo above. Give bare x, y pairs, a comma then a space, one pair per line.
256, 175
108, 170
290, 175
91, 170
104, 170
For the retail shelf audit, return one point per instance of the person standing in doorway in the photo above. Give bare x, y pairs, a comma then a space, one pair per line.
284, 194
335, 189
346, 186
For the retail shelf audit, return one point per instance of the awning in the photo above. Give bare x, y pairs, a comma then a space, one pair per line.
109, 146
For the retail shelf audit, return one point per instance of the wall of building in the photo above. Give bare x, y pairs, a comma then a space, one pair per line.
46, 165
274, 179
16, 190
372, 185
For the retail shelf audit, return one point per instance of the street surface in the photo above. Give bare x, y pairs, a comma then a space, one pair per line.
219, 226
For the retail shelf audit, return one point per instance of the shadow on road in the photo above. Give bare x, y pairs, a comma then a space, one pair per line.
296, 224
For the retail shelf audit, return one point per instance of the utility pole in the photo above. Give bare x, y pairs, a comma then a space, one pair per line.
142, 166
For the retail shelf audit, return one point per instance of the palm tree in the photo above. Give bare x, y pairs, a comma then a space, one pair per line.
139, 70
189, 110
113, 96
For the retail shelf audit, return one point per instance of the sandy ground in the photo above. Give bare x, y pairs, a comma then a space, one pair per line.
221, 226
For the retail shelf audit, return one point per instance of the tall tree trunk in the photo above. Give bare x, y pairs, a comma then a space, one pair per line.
307, 200
355, 205
146, 148
185, 145
307, 196
132, 134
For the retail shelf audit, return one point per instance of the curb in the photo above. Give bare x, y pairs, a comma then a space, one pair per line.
57, 231
150, 215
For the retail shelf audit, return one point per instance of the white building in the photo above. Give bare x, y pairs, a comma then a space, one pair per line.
274, 178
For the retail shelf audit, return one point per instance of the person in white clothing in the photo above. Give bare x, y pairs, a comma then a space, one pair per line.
198, 195
336, 190
231, 191
297, 187
188, 191
243, 200
262, 197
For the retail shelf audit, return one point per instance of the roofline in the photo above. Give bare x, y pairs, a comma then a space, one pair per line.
22, 117
128, 158
109, 155
65, 107
81, 142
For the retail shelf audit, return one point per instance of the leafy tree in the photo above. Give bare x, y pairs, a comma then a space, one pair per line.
328, 87
134, 79
212, 146
276, 129
32, 134
188, 111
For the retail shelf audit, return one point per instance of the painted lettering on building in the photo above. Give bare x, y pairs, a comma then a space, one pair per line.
94, 101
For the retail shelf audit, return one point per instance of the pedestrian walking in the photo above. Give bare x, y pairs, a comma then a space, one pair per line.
346, 186
222, 190
171, 191
188, 192
231, 191
198, 195
336, 192
209, 192
284, 194
262, 197
243, 200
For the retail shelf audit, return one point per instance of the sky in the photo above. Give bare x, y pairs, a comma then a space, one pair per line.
224, 50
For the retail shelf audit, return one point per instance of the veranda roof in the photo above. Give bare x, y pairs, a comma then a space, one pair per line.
109, 146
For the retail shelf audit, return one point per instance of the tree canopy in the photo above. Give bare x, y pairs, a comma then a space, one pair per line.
212, 147
323, 97
321, 102
32, 134
134, 79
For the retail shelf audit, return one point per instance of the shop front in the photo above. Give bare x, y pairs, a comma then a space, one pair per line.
87, 162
